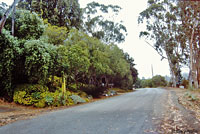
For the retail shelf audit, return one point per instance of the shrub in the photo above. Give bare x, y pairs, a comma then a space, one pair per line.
28, 25
82, 94
9, 53
54, 83
37, 60
77, 99
93, 90
31, 88
40, 104
28, 94
185, 83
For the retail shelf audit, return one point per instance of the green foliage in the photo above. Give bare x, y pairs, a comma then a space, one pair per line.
28, 94
146, 83
61, 12
56, 35
77, 99
54, 83
3, 7
138, 83
27, 25
31, 88
48, 99
9, 52
156, 81
93, 90
159, 81
42, 54
104, 29
104, 60
39, 96
40, 104
166, 26
37, 60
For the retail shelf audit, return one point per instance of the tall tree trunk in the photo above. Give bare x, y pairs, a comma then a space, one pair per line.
13, 21
193, 70
173, 76
3, 19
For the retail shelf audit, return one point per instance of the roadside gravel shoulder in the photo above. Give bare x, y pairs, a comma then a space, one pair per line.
179, 119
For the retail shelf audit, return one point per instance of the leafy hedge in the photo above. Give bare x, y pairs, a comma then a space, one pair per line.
9, 53
40, 96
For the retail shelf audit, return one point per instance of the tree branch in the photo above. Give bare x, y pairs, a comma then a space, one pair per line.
3, 19
163, 57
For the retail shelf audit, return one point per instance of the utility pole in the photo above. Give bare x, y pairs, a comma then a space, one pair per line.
152, 70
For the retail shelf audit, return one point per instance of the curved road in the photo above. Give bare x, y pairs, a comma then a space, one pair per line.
131, 113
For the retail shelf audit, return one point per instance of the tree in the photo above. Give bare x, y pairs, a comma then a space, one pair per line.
158, 81
164, 30
146, 83
4, 17
27, 25
134, 72
102, 28
190, 12
77, 57
55, 35
98, 55
58, 12
3, 7
9, 52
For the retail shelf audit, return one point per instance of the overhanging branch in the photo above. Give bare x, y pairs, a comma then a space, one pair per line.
163, 57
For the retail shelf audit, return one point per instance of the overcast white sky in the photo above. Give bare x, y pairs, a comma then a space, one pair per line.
144, 55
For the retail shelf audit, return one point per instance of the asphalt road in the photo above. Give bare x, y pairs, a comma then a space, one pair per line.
131, 113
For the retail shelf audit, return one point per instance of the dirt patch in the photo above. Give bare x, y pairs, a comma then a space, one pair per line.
6, 109
178, 119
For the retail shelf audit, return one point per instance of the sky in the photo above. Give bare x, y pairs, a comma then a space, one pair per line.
143, 54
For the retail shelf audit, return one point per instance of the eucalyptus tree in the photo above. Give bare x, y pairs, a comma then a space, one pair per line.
7, 12
3, 7
164, 30
190, 12
102, 27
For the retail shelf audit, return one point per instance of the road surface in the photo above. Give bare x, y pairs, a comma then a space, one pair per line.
131, 113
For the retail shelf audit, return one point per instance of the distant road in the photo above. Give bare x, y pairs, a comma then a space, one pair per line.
131, 113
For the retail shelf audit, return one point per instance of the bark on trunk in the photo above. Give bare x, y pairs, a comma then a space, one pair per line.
193, 70
13, 21
3, 20
173, 76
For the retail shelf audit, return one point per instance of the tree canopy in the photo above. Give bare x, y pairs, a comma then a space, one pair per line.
41, 53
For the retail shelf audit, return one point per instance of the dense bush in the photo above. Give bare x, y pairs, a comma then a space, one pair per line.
54, 83
159, 81
73, 56
77, 99
93, 90
156, 81
9, 53
28, 25
40, 96
56, 35
37, 60
185, 83
29, 94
